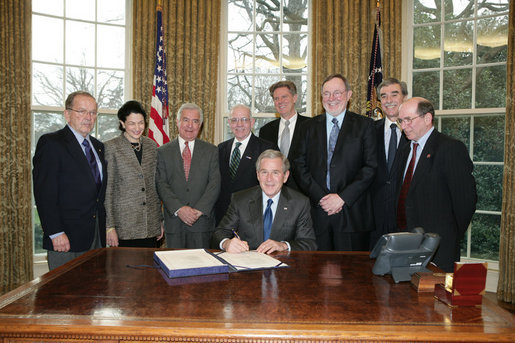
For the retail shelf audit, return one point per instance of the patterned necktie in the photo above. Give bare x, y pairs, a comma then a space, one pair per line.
267, 220
332, 143
401, 207
284, 145
392, 148
92, 163
235, 160
186, 158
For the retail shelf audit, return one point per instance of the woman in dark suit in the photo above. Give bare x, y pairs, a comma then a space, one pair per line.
132, 205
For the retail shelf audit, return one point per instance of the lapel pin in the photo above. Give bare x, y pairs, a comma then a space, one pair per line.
249, 157
286, 208
428, 156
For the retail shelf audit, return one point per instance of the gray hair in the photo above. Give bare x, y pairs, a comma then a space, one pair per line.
190, 106
68, 104
270, 153
241, 106
392, 81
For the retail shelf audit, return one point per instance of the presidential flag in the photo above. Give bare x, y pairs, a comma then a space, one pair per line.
375, 75
158, 129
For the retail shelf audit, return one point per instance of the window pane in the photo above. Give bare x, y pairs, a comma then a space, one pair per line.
240, 15
492, 39
426, 47
458, 88
46, 122
112, 11
239, 88
487, 7
110, 89
427, 85
80, 43
47, 39
489, 139
458, 43
485, 236
38, 233
489, 186
47, 85
295, 15
80, 79
52, 7
111, 47
426, 11
458, 128
268, 16
239, 55
267, 53
107, 127
491, 86
80, 9
295, 53
458, 9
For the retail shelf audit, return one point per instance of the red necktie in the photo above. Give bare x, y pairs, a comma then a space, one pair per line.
186, 159
401, 207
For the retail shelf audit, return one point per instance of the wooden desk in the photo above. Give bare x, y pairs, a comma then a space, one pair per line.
321, 297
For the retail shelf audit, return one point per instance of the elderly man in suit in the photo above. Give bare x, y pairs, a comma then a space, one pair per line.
391, 92
237, 157
284, 131
335, 166
188, 183
269, 217
70, 184
438, 191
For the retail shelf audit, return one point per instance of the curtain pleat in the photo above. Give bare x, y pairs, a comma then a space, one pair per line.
192, 28
15, 169
342, 42
506, 284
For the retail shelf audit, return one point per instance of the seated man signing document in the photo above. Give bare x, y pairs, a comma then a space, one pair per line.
269, 217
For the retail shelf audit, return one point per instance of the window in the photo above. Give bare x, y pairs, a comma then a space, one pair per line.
267, 41
76, 45
458, 62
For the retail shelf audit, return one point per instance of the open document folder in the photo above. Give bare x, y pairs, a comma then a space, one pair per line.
181, 263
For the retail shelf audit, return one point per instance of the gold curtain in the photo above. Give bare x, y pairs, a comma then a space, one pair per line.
191, 30
15, 172
506, 285
342, 42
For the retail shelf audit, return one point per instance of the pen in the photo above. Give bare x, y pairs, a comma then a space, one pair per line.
236, 235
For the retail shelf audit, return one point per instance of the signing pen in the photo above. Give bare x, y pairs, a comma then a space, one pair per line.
236, 235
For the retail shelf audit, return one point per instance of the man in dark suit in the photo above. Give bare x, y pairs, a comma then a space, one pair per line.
237, 158
70, 183
284, 131
391, 92
438, 190
188, 183
335, 167
269, 217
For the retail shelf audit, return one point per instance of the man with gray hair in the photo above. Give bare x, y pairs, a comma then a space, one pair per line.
269, 217
188, 183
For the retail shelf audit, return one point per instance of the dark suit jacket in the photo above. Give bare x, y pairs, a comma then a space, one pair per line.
292, 221
353, 168
65, 191
245, 175
384, 188
270, 132
442, 195
200, 191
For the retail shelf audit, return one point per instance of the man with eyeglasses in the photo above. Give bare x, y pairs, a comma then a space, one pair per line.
237, 157
70, 182
391, 93
335, 166
269, 217
438, 191
188, 183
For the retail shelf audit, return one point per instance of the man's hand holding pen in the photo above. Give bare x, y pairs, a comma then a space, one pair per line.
235, 244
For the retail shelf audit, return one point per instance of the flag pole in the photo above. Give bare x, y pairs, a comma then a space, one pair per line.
376, 70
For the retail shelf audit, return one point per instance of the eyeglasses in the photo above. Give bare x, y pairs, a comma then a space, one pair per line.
243, 120
335, 94
408, 120
82, 113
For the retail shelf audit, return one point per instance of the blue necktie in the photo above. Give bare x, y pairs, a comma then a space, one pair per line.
333, 137
392, 148
267, 220
92, 162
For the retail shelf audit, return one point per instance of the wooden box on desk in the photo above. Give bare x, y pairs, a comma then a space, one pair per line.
465, 287
424, 282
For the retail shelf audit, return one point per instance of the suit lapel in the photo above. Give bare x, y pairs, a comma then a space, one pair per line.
77, 153
321, 139
256, 211
425, 160
247, 158
282, 212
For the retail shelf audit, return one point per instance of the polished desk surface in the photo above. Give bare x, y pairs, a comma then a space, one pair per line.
322, 296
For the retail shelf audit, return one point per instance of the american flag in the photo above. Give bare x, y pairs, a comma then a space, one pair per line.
375, 75
158, 126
